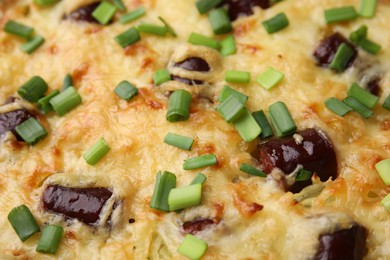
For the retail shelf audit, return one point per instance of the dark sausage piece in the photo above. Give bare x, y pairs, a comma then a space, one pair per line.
10, 120
84, 204
327, 49
191, 82
244, 7
315, 153
193, 64
193, 227
83, 14
373, 86
344, 244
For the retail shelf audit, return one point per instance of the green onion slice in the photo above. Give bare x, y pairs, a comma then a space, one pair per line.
363, 96
128, 37
247, 127
161, 76
199, 178
342, 57
369, 46
237, 76
152, 29
340, 14
33, 44
31, 131
252, 170
164, 184
50, 239
33, 89
45, 2
303, 175
185, 197
228, 46
18, 29
193, 247
198, 39
133, 15
66, 101
276, 23
270, 78
179, 106
104, 12
228, 91
43, 103
367, 8
204, 6
359, 34
282, 119
337, 107
168, 27
383, 168
358, 107
119, 5
179, 141
386, 202
199, 162
96, 152
126, 90
386, 104
68, 82
231, 109
23, 222
220, 21
261, 119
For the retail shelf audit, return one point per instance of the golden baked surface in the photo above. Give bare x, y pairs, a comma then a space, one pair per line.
282, 228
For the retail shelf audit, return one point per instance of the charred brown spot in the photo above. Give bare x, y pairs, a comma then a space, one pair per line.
343, 244
315, 153
10, 120
194, 64
83, 13
191, 82
238, 8
195, 226
373, 86
84, 204
326, 50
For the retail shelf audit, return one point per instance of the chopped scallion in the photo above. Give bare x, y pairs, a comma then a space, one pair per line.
276, 23
104, 12
220, 21
359, 37
368, 8
199, 162
282, 119
50, 239
33, 44
164, 184
341, 58
261, 119
270, 78
128, 37
43, 103
199, 178
133, 15
168, 27
340, 14
96, 152
161, 76
386, 104
119, 5
386, 202
185, 197
23, 222
303, 175
65, 101
383, 168
179, 141
31, 131
198, 39
228, 91
152, 29
369, 46
358, 107
231, 109
33, 89
204, 6
68, 82
45, 2
252, 170
337, 107
18, 29
237, 76
363, 96
247, 127
193, 247
179, 106
228, 46
359, 34
126, 90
